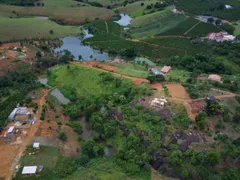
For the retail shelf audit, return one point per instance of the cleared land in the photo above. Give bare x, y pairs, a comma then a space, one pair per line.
16, 29
177, 91
71, 15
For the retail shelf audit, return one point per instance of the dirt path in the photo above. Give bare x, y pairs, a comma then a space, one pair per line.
136, 81
157, 37
192, 28
29, 136
106, 26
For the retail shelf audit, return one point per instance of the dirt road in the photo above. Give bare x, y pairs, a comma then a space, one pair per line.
29, 136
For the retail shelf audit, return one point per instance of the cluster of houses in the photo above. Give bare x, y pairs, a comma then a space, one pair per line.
220, 36
163, 71
159, 102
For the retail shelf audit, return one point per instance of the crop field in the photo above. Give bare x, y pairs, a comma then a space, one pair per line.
179, 43
155, 23
87, 82
211, 8
107, 168
71, 15
175, 74
101, 27
16, 29
181, 28
114, 44
202, 29
141, 60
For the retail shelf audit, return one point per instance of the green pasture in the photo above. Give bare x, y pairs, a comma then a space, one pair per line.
86, 82
71, 15
135, 9
175, 74
61, 3
101, 27
150, 18
142, 60
107, 168
21, 28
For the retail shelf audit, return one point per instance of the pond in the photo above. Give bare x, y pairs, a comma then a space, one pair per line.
61, 98
125, 20
75, 46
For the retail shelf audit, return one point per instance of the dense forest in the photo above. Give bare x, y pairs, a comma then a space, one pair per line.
19, 2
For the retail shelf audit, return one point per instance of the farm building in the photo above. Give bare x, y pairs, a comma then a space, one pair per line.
158, 102
18, 112
214, 77
228, 6
166, 69
10, 134
29, 170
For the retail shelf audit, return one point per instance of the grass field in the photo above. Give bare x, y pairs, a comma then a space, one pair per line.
175, 74
87, 82
107, 169
61, 3
17, 29
130, 69
71, 15
202, 29
135, 9
101, 27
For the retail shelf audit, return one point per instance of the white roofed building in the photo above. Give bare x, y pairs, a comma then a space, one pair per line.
29, 170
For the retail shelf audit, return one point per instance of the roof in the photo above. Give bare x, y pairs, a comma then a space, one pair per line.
12, 115
214, 77
10, 129
166, 69
36, 145
29, 169
155, 71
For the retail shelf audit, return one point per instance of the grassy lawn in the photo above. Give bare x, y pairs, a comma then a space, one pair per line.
71, 15
178, 74
19, 29
87, 82
142, 60
106, 169
47, 157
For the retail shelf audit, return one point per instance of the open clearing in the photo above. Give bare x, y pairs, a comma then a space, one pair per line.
177, 91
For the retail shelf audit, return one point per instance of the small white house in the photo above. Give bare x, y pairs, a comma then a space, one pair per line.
29, 170
228, 6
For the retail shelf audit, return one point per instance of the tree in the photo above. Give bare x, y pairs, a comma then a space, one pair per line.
213, 107
63, 136
51, 31
142, 4
149, 7
92, 149
175, 157
160, 78
151, 79
184, 174
212, 158
227, 27
237, 115
218, 21
80, 57
210, 20
200, 119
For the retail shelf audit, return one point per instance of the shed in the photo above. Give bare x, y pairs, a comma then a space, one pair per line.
214, 77
36, 145
11, 130
29, 170
166, 69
